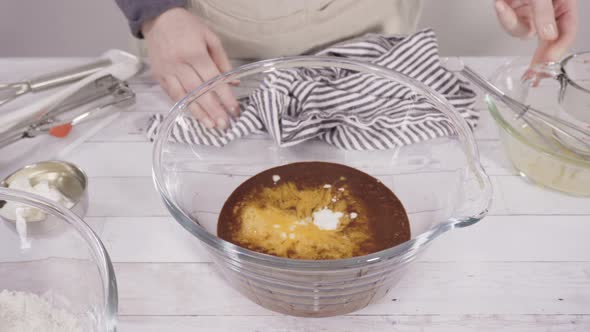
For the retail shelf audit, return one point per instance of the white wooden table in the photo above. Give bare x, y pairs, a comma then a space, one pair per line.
526, 267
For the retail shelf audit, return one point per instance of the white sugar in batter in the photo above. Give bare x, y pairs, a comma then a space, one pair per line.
275, 178
327, 219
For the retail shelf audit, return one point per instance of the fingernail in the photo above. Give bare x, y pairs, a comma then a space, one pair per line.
500, 6
221, 123
549, 31
234, 111
208, 123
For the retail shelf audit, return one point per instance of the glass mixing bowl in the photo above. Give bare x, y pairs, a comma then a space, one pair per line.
440, 182
544, 161
69, 269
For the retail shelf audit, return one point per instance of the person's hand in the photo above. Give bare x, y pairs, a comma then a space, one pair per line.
554, 22
184, 53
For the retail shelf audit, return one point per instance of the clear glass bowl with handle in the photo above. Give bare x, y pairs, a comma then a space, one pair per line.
69, 271
544, 160
440, 182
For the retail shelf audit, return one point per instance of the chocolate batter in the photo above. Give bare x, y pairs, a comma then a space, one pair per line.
278, 212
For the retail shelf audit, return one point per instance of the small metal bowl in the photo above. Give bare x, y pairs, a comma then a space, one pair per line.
68, 178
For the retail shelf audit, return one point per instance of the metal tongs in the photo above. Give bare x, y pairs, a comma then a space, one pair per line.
116, 92
10, 91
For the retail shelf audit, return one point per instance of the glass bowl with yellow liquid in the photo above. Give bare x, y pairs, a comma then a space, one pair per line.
539, 157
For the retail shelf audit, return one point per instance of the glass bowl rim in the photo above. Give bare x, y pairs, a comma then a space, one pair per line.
466, 137
513, 132
563, 63
99, 253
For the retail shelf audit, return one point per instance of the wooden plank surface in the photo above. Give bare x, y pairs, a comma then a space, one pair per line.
526, 267
428, 288
391, 323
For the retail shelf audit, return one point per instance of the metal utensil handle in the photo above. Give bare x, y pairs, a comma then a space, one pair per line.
67, 76
100, 88
514, 105
481, 82
11, 137
123, 97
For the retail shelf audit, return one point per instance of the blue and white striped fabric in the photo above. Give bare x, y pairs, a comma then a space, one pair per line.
350, 110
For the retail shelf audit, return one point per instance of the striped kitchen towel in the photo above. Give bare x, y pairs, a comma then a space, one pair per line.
348, 109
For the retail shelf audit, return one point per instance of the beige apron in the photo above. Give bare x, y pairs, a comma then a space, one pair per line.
260, 29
